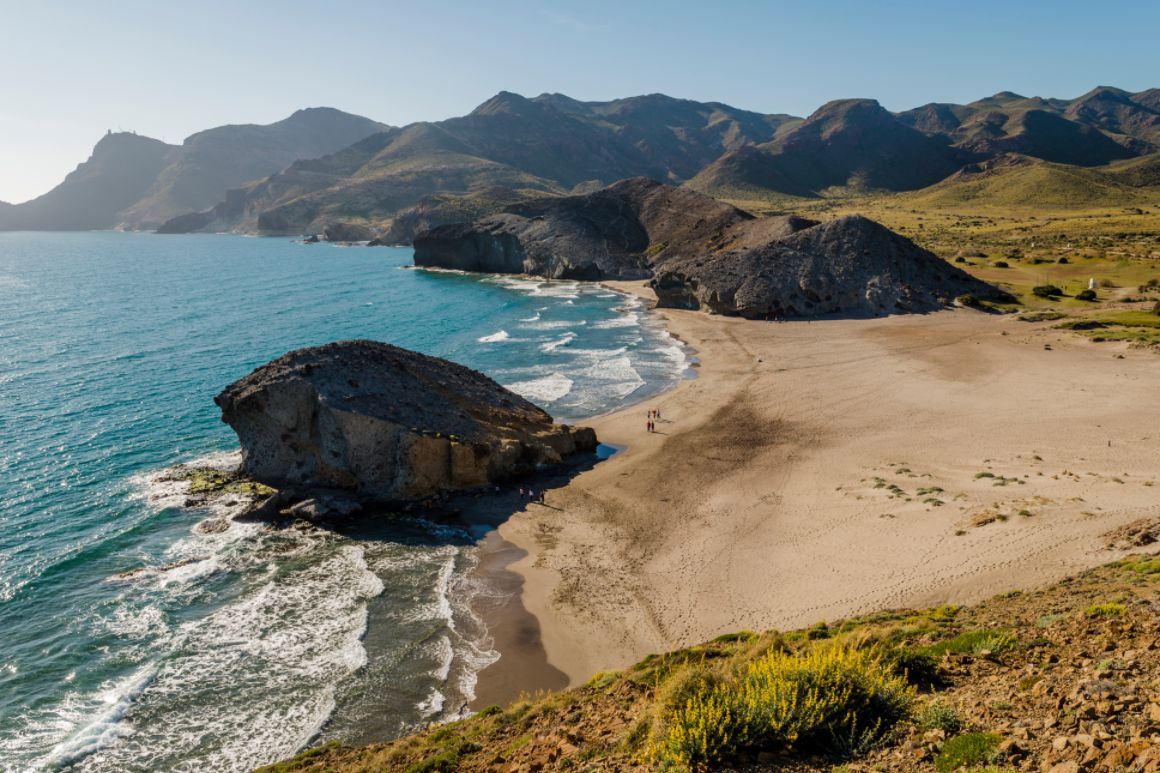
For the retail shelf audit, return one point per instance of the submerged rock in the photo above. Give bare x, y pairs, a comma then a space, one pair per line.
385, 423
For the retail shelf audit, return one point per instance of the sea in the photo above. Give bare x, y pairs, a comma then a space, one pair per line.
131, 641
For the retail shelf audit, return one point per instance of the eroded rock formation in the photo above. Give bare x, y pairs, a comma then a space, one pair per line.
386, 423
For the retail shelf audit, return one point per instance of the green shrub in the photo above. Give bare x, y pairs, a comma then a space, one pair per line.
940, 716
1046, 291
1105, 610
1086, 295
742, 636
967, 749
918, 666
1001, 264
974, 642
826, 697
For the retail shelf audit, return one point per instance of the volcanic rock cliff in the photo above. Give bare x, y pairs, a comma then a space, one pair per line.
387, 424
703, 254
618, 232
850, 265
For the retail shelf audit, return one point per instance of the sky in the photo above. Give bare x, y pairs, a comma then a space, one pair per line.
70, 70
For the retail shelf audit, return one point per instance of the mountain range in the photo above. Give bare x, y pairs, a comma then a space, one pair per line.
135, 182
322, 166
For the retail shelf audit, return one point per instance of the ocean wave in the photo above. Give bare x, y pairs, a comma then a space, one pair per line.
547, 389
555, 324
623, 320
494, 337
563, 340
104, 725
615, 376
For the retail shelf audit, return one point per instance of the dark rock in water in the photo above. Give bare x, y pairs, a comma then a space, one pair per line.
618, 232
376, 242
347, 232
851, 265
384, 423
312, 239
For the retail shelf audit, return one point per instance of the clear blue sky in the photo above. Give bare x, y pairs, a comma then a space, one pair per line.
70, 70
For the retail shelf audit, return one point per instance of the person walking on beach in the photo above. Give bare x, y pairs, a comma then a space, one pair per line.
521, 493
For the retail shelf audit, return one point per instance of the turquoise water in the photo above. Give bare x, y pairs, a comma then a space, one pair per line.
224, 651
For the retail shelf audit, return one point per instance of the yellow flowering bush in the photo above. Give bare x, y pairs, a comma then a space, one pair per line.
829, 697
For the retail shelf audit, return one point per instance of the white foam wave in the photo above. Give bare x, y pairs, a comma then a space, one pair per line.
547, 389
555, 324
535, 317
250, 682
624, 320
104, 725
564, 340
494, 337
614, 376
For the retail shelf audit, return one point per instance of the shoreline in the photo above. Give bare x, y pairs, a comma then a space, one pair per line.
757, 506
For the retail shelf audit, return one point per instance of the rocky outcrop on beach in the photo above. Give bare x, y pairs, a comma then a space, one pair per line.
850, 265
387, 424
703, 254
619, 232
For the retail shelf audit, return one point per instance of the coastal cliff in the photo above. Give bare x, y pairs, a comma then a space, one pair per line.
385, 423
703, 254
619, 232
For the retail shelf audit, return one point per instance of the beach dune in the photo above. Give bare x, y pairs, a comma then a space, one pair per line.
817, 470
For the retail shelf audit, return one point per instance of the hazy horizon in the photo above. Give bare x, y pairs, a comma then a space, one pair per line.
164, 74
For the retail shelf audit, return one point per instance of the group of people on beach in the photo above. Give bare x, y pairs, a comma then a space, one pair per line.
531, 496
653, 416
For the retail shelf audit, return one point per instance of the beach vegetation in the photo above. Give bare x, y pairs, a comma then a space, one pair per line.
974, 642
825, 695
1110, 609
966, 750
940, 716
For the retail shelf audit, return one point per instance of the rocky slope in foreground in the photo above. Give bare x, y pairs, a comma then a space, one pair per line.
1064, 679
385, 423
704, 254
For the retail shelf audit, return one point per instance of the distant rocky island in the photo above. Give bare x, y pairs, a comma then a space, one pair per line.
321, 166
703, 254
378, 423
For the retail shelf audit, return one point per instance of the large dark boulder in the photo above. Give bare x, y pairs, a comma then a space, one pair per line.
387, 424
851, 265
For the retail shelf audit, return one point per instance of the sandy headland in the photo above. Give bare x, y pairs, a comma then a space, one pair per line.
817, 470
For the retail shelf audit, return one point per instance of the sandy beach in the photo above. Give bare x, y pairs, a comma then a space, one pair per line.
817, 470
